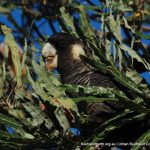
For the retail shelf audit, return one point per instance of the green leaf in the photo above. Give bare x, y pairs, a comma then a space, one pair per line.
115, 27
125, 81
144, 139
146, 37
9, 40
91, 90
24, 54
37, 116
95, 63
121, 7
5, 10
68, 21
135, 55
85, 25
9, 121
92, 99
48, 82
113, 123
37, 87
63, 121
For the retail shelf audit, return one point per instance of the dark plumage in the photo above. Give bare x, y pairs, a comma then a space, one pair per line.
62, 51
71, 67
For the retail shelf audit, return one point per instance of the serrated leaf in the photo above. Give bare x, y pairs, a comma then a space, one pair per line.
9, 40
48, 82
84, 22
37, 87
68, 21
115, 27
135, 55
34, 111
9, 121
61, 117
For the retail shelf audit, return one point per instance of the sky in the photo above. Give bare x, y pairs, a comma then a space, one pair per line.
45, 30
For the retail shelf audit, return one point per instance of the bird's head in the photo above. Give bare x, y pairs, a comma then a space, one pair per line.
61, 49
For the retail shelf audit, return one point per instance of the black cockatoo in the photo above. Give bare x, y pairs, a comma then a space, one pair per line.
63, 51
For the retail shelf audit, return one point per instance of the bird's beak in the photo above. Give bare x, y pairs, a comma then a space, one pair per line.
50, 56
51, 62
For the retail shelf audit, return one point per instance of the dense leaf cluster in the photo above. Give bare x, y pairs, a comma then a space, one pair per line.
37, 107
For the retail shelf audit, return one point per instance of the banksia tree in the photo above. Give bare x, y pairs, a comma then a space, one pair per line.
36, 106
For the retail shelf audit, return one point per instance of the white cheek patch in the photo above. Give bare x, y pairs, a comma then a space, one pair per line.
77, 50
48, 50
49, 53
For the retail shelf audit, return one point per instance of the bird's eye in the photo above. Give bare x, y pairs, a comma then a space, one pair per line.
62, 43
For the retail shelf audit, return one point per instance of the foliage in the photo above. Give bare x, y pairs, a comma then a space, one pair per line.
22, 103
22, 99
